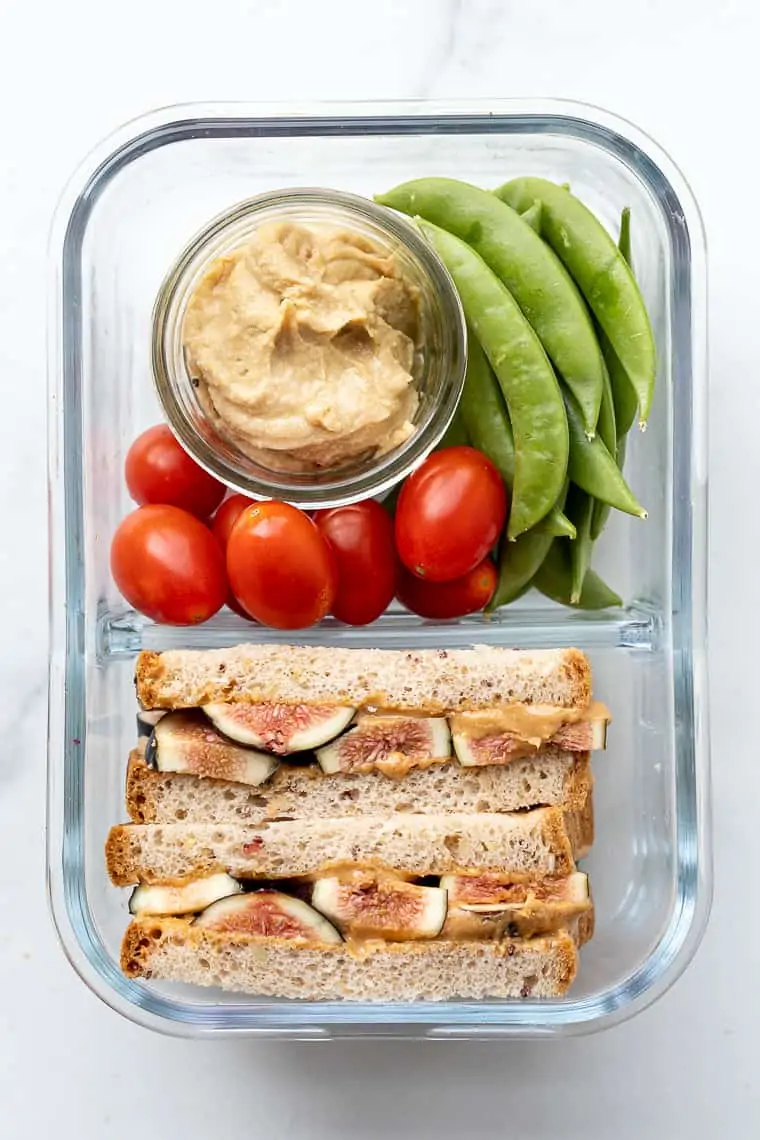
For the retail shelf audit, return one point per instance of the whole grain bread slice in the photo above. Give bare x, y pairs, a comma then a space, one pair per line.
555, 777
175, 950
523, 843
426, 681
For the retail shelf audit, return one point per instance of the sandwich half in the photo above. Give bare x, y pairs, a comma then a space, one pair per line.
364, 824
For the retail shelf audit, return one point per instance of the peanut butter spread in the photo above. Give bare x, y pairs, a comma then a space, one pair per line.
535, 724
302, 344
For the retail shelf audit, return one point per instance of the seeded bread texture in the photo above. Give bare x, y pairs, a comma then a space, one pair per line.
525, 843
424, 681
558, 778
174, 950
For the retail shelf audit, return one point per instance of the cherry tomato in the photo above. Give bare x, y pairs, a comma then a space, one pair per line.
361, 537
465, 595
221, 526
168, 565
450, 514
159, 470
226, 517
281, 569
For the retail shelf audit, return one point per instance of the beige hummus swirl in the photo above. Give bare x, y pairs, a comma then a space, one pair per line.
302, 345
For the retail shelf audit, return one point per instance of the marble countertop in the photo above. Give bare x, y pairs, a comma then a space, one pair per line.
687, 74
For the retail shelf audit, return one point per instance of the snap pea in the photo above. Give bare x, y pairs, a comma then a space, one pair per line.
520, 560
601, 273
518, 564
484, 414
524, 373
623, 394
486, 421
532, 216
608, 435
534, 275
624, 239
556, 523
580, 508
626, 401
554, 581
592, 468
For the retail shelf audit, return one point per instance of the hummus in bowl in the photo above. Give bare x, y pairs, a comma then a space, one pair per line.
309, 346
303, 345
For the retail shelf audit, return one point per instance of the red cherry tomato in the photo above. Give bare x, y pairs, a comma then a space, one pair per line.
465, 595
361, 537
159, 470
281, 569
226, 517
221, 526
168, 565
450, 513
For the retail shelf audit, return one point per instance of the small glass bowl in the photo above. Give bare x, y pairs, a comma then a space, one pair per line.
439, 369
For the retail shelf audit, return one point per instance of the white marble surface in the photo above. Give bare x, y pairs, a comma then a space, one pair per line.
686, 71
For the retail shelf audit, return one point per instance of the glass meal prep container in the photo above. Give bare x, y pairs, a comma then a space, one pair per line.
132, 207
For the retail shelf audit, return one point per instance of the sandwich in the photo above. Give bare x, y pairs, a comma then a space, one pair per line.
360, 824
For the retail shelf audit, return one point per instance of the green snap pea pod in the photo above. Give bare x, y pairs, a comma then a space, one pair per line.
488, 427
624, 239
608, 434
518, 563
601, 273
580, 508
592, 468
626, 401
526, 377
533, 274
554, 581
623, 394
484, 414
556, 523
520, 560
532, 216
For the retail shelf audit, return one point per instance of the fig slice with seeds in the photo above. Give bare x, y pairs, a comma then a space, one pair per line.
279, 728
365, 905
491, 906
185, 741
390, 744
268, 914
474, 751
187, 898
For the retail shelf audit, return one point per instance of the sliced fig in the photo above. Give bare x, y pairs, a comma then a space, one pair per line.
476, 752
186, 742
475, 749
280, 728
586, 736
364, 905
490, 906
147, 719
268, 914
491, 887
189, 898
391, 744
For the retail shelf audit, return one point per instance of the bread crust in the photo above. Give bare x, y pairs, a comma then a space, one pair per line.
429, 681
175, 950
